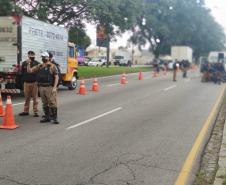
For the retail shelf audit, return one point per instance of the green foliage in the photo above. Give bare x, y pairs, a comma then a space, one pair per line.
5, 7
173, 22
179, 22
79, 37
117, 15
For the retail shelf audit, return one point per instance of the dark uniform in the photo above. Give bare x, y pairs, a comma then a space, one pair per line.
30, 86
175, 68
46, 74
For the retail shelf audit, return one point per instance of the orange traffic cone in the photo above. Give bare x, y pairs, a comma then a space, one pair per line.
140, 76
155, 74
165, 71
82, 89
95, 86
123, 79
1, 107
8, 119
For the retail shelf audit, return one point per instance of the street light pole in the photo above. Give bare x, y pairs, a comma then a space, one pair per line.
108, 50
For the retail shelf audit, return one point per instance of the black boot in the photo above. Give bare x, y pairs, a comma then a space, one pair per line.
46, 118
54, 115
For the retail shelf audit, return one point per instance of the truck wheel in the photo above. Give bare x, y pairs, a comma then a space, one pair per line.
73, 83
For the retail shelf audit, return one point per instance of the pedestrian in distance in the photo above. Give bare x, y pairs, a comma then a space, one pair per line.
47, 78
206, 71
175, 68
30, 85
185, 66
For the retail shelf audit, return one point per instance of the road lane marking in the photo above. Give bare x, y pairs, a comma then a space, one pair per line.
110, 85
15, 104
94, 118
169, 88
192, 156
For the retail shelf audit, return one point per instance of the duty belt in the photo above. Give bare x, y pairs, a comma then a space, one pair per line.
44, 85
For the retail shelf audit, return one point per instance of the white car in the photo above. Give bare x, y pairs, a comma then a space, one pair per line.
96, 62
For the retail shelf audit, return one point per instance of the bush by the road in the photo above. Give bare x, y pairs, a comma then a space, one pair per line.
91, 72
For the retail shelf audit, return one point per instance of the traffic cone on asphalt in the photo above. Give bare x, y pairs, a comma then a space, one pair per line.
123, 79
8, 119
95, 86
82, 88
155, 74
165, 71
140, 76
1, 107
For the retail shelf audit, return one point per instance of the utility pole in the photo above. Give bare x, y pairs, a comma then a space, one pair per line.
108, 51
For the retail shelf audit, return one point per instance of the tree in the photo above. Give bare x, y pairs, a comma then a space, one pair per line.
117, 16
79, 37
5, 7
179, 22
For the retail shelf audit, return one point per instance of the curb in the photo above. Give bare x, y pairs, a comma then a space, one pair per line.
221, 172
191, 165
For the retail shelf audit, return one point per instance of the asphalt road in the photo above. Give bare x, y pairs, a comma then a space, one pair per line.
137, 134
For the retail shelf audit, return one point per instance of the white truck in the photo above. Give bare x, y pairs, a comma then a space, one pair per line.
122, 58
18, 35
215, 56
180, 53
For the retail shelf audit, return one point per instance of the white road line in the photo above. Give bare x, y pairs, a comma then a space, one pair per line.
18, 104
187, 80
94, 118
147, 78
110, 85
169, 88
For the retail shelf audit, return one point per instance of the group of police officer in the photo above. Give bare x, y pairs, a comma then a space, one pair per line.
213, 72
42, 78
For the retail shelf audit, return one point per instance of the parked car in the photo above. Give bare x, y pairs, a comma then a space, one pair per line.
86, 61
97, 62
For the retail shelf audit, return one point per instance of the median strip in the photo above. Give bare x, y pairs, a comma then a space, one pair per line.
94, 118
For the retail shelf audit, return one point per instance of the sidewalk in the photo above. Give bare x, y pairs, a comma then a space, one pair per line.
220, 178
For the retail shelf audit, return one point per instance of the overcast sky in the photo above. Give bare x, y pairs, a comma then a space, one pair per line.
218, 8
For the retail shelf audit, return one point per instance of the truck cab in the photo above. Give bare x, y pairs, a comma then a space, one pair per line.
69, 79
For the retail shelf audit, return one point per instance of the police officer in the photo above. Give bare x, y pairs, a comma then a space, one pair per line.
30, 85
175, 68
47, 77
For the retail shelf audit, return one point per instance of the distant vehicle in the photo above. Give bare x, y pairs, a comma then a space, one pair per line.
122, 58
180, 53
86, 61
97, 62
215, 56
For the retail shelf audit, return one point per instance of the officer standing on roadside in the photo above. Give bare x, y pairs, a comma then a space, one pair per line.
175, 68
30, 85
47, 77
